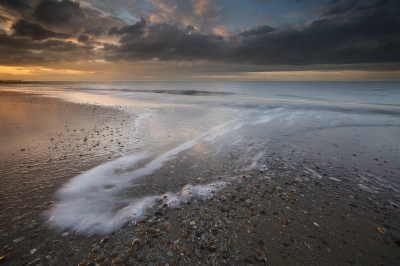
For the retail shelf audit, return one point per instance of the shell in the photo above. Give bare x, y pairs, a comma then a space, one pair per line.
136, 244
381, 230
259, 255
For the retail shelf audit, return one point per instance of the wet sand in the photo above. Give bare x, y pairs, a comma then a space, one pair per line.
302, 209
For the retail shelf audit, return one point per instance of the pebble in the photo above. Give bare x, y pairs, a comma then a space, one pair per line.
114, 254
170, 254
116, 261
225, 254
3, 259
16, 241
34, 261
104, 240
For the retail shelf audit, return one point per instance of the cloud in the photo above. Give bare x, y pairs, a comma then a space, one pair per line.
35, 31
222, 30
257, 31
363, 34
134, 29
25, 50
16, 4
57, 12
201, 7
167, 42
83, 38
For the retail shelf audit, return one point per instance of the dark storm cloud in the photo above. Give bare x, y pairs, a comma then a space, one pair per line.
35, 31
16, 4
71, 18
363, 35
25, 43
24, 50
57, 12
367, 32
257, 31
83, 38
133, 30
168, 42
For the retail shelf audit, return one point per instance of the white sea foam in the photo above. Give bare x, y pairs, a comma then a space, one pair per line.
314, 173
94, 202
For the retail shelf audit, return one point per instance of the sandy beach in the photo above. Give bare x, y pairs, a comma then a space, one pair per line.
301, 210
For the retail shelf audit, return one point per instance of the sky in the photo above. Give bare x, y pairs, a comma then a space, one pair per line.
289, 40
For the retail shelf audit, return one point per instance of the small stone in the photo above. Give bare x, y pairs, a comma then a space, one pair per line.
65, 234
170, 254
214, 231
3, 259
114, 254
116, 261
167, 224
286, 222
34, 261
176, 248
16, 241
158, 213
104, 240
225, 254
7, 249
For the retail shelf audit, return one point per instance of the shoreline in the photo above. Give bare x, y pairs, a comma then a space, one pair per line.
302, 210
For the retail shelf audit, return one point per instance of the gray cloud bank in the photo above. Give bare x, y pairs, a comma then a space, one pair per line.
344, 32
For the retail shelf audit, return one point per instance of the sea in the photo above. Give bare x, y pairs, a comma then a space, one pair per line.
197, 138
